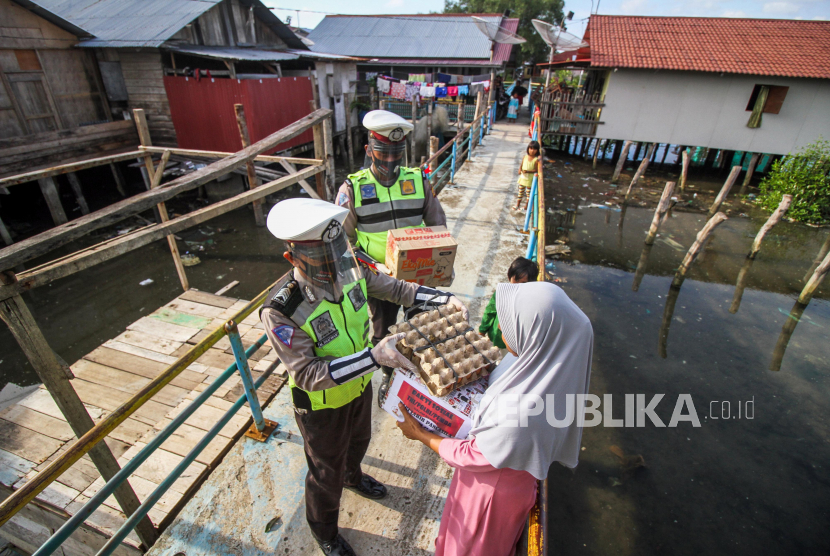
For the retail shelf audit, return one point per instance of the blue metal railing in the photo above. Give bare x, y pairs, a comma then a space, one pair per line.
241, 364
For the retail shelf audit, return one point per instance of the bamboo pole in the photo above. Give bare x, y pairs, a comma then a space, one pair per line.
253, 182
662, 207
640, 171
621, 161
540, 243
733, 175
155, 181
774, 219
685, 170
24, 328
702, 236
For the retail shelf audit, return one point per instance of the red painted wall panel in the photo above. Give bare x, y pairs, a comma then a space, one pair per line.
204, 118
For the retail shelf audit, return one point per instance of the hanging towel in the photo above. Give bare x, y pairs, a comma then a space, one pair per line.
476, 88
444, 77
426, 91
463, 89
452, 91
411, 89
383, 85
440, 92
398, 90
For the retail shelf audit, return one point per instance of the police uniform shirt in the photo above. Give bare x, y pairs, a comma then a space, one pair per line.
433, 211
296, 349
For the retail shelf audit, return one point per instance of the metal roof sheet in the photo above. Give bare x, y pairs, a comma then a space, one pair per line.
441, 62
128, 23
401, 36
232, 53
501, 53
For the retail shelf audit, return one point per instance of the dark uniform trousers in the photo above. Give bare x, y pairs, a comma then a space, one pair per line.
335, 442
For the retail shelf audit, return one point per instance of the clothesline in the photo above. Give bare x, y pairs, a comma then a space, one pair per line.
404, 89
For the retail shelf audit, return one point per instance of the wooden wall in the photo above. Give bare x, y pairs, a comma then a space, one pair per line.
211, 28
47, 85
144, 77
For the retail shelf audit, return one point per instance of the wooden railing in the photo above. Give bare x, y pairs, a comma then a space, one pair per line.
570, 113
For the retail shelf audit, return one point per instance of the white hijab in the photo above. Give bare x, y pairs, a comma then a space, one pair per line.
554, 342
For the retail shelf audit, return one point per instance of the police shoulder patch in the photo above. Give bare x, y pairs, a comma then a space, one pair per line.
342, 199
287, 298
407, 187
284, 334
367, 191
357, 298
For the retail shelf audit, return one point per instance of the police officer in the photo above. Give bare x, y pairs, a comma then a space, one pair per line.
317, 319
386, 196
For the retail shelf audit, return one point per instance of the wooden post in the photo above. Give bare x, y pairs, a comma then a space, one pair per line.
291, 169
654, 152
433, 148
662, 207
596, 152
429, 120
733, 175
668, 313
825, 248
253, 182
621, 161
53, 200
4, 233
637, 151
702, 236
328, 149
320, 154
774, 219
740, 285
155, 180
814, 281
349, 135
787, 330
75, 184
23, 326
642, 264
665, 154
750, 169
685, 171
373, 98
341, 142
640, 171
119, 179
414, 124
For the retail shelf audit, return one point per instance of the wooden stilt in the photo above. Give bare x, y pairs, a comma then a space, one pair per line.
621, 161
668, 313
733, 175
155, 180
825, 248
53, 200
642, 264
787, 330
654, 152
596, 152
750, 169
740, 285
702, 236
640, 171
433, 148
665, 154
662, 207
774, 219
119, 179
4, 233
815, 280
75, 184
637, 151
23, 326
349, 134
328, 150
429, 118
319, 137
253, 181
685, 171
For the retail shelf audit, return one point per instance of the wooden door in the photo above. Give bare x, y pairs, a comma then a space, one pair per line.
36, 104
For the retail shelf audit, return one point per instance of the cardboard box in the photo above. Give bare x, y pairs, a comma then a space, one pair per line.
422, 255
450, 416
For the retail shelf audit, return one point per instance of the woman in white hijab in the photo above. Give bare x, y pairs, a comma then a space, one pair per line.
515, 438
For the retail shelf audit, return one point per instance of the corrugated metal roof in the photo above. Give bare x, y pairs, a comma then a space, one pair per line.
54, 18
501, 53
231, 53
401, 36
324, 56
430, 62
128, 23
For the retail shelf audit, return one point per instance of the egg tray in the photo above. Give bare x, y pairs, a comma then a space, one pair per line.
447, 352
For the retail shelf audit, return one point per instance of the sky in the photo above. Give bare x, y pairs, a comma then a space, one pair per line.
311, 13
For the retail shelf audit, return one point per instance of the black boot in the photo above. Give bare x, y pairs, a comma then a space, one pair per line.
336, 547
384, 386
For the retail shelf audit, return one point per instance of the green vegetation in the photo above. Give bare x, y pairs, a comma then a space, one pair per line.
804, 176
535, 48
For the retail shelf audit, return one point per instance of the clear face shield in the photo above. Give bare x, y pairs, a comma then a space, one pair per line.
386, 159
329, 264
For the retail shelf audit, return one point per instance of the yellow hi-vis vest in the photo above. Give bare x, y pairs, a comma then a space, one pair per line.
380, 208
337, 330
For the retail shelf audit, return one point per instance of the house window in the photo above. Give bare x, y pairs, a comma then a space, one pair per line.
775, 99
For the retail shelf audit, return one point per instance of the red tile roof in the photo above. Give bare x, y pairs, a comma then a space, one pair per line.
773, 47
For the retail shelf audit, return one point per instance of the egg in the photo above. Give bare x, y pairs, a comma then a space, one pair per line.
450, 309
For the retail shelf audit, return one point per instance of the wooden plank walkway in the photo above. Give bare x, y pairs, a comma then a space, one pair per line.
33, 431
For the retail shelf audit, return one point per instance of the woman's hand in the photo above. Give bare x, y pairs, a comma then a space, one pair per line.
410, 428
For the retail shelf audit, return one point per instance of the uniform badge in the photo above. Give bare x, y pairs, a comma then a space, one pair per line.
334, 229
368, 191
342, 199
324, 329
284, 334
407, 187
396, 134
311, 297
357, 298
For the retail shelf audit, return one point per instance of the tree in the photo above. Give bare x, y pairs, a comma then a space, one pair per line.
535, 49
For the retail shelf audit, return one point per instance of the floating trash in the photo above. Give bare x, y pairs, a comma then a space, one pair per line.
146, 282
189, 259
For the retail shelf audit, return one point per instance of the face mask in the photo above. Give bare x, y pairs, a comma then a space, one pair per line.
386, 160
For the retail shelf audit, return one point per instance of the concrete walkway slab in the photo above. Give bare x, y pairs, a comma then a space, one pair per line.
258, 482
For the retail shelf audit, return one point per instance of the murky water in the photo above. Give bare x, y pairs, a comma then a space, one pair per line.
78, 313
736, 485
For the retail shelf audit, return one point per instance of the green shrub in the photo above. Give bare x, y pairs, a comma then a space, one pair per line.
803, 175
